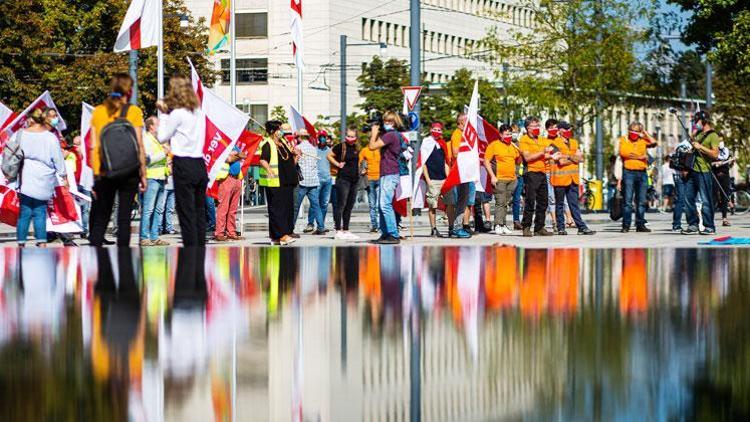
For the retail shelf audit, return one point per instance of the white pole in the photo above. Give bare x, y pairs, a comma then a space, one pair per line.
242, 207
160, 52
232, 56
299, 89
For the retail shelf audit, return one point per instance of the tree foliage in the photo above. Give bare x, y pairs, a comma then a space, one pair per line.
380, 85
279, 113
65, 47
576, 50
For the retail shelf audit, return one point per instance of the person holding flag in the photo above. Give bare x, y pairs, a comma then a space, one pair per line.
463, 193
565, 178
503, 178
433, 156
389, 144
536, 151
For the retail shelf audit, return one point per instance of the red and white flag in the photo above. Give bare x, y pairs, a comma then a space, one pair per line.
224, 126
429, 145
404, 189
6, 116
140, 28
298, 122
296, 30
465, 167
87, 173
487, 134
42, 102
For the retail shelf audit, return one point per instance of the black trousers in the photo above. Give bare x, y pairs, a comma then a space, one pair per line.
280, 203
722, 190
346, 194
535, 199
190, 181
105, 189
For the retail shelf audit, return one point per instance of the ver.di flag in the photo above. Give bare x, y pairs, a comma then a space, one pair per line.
140, 28
465, 167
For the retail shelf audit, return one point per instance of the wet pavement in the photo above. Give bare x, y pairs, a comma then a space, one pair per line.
374, 333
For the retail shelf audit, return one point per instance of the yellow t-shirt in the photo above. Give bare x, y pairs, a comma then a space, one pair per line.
505, 157
373, 162
455, 143
531, 145
100, 117
639, 148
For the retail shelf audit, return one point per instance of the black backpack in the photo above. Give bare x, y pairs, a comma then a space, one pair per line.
118, 145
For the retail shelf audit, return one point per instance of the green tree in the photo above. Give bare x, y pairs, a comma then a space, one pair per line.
66, 47
279, 113
380, 85
576, 51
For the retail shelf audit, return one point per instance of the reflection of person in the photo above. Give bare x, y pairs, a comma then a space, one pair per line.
633, 283
634, 178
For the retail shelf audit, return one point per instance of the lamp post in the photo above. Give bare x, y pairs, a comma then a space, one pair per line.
342, 53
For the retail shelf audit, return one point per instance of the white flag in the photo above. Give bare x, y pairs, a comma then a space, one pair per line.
296, 30
42, 102
466, 165
141, 26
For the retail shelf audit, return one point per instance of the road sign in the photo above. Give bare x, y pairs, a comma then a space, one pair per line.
411, 95
413, 121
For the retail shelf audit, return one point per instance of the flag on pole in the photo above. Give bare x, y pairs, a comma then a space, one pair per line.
298, 122
87, 173
42, 102
224, 126
218, 33
296, 30
6, 116
465, 167
487, 134
140, 28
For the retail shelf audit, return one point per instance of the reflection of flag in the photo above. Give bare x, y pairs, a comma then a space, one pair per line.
224, 126
296, 30
218, 33
42, 102
468, 294
298, 122
466, 165
140, 28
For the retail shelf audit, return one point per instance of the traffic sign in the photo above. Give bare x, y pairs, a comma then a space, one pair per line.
411, 95
413, 121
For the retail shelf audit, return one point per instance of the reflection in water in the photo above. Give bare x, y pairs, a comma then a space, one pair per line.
374, 333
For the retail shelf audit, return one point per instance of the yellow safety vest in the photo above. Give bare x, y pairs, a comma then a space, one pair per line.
266, 181
567, 174
156, 169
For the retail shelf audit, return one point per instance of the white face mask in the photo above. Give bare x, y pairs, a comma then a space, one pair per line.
388, 126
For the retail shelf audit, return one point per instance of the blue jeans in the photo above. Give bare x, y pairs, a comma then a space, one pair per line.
85, 209
31, 209
634, 186
472, 195
388, 225
324, 196
152, 210
313, 195
210, 214
372, 199
569, 194
517, 195
679, 201
699, 184
169, 211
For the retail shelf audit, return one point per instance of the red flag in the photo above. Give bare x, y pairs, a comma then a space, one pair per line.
298, 122
248, 143
42, 102
296, 31
140, 27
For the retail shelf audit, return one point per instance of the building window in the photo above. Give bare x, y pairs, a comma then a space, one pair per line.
249, 71
364, 28
252, 25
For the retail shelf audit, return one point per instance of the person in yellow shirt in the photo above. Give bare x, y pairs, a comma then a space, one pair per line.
369, 163
634, 157
536, 152
565, 179
503, 178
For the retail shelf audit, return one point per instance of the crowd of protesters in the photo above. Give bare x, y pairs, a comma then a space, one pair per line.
533, 175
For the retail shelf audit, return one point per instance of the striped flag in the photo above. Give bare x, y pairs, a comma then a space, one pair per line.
298, 122
42, 102
6, 116
140, 28
296, 30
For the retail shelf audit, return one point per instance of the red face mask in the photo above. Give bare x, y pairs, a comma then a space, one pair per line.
436, 134
351, 140
634, 136
507, 139
552, 133
534, 132
566, 133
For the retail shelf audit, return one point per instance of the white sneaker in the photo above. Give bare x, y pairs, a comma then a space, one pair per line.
351, 236
340, 235
499, 230
506, 230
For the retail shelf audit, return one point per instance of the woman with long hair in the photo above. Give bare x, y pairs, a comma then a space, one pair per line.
126, 185
279, 177
184, 127
345, 157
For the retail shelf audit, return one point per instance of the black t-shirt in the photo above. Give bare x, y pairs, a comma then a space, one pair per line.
351, 162
436, 164
287, 167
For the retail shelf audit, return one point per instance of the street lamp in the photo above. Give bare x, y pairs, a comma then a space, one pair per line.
343, 44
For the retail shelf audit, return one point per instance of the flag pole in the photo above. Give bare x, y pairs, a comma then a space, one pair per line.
232, 56
160, 52
299, 89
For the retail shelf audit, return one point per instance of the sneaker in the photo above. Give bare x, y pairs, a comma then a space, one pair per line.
293, 235
708, 232
506, 229
690, 230
108, 242
625, 230
725, 222
69, 243
389, 240
527, 232
308, 229
340, 235
499, 230
642, 229
374, 230
435, 233
318, 232
220, 238
517, 225
586, 231
467, 229
159, 242
562, 233
287, 240
677, 229
543, 232
461, 234
350, 236
147, 242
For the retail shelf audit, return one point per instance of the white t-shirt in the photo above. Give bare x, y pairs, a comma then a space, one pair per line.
667, 174
185, 130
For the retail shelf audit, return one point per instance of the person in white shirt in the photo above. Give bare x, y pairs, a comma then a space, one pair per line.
667, 184
184, 127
